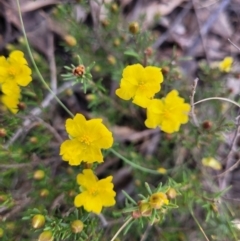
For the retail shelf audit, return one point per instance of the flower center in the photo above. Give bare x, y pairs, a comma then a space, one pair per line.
93, 191
141, 85
166, 114
85, 140
12, 72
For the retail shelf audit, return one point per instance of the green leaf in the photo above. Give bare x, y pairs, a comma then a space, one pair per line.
132, 53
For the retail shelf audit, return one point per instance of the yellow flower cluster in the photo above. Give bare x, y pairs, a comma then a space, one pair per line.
142, 84
14, 72
87, 138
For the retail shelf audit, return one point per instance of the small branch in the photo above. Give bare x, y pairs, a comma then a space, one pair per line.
17, 208
229, 169
198, 224
35, 112
234, 45
51, 129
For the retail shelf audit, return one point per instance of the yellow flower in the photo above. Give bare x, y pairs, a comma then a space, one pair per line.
140, 83
211, 162
14, 72
95, 194
157, 200
87, 140
168, 113
226, 64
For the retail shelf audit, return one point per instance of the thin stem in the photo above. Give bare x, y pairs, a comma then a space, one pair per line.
35, 66
198, 224
192, 102
132, 163
120, 229
217, 98
234, 45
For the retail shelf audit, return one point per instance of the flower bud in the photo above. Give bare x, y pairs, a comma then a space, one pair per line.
145, 209
3, 132
133, 27
10, 226
46, 236
111, 60
33, 140
77, 226
206, 125
214, 207
39, 175
171, 193
157, 200
124, 37
136, 214
165, 70
105, 23
116, 42
69, 92
148, 51
138, 182
44, 193
72, 193
38, 221
3, 198
10, 47
22, 40
97, 68
70, 170
79, 71
114, 7
70, 40
21, 106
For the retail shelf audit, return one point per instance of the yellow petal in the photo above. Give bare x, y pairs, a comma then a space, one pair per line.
87, 178
154, 74
17, 56
126, 91
71, 151
10, 102
141, 101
